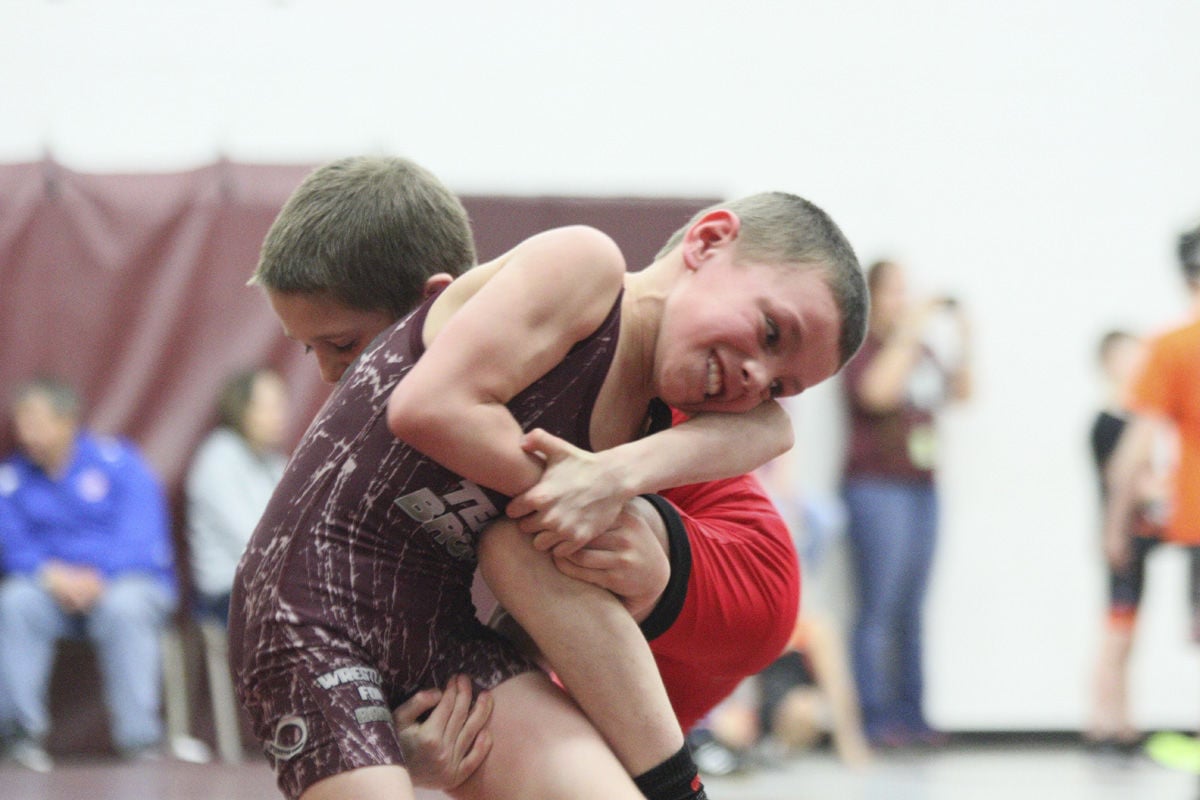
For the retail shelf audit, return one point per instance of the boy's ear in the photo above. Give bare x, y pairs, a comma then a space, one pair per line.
436, 282
717, 228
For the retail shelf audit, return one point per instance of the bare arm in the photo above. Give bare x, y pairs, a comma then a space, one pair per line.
545, 295
581, 493
827, 655
962, 382
882, 384
1132, 457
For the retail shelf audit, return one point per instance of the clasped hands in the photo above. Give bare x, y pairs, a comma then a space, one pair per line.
585, 515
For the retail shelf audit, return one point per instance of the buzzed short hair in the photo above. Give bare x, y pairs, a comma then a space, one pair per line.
777, 227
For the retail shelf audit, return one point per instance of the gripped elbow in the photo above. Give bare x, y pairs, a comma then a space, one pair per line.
403, 419
781, 422
787, 441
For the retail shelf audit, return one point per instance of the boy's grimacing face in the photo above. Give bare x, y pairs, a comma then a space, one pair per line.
736, 334
332, 331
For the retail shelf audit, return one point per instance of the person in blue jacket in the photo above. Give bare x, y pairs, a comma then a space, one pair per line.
86, 552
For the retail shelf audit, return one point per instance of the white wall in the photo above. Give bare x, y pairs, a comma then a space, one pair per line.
1034, 158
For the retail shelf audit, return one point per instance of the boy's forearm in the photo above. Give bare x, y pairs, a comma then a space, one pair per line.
480, 442
704, 448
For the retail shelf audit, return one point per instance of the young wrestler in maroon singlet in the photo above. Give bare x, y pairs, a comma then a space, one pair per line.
331, 350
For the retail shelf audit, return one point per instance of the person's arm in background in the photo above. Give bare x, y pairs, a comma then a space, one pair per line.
962, 381
1132, 458
1151, 410
827, 655
879, 385
73, 586
21, 552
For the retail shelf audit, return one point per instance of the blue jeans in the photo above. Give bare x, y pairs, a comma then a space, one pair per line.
125, 628
892, 532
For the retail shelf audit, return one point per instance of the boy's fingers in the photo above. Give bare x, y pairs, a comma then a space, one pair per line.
572, 569
461, 706
590, 560
545, 540
566, 548
474, 742
443, 713
531, 524
481, 712
408, 712
481, 745
520, 506
547, 444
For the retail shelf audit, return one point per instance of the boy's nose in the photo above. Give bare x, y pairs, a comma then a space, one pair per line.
755, 379
331, 368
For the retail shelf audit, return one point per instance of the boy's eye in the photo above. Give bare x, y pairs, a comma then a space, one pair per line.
776, 388
307, 349
772, 331
345, 348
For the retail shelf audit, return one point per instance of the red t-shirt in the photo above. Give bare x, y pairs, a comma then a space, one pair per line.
743, 594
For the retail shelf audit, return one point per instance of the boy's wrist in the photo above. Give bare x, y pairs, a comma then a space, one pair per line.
623, 474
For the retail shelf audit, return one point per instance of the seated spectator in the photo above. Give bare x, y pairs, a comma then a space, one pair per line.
231, 478
86, 547
809, 691
791, 706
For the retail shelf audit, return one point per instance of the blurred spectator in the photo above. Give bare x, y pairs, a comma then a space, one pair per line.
809, 691
894, 387
231, 478
787, 708
1165, 399
87, 549
1110, 727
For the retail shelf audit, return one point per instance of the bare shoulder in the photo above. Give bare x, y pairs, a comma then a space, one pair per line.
574, 252
572, 274
577, 271
579, 252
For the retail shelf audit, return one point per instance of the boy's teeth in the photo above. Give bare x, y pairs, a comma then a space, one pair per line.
713, 387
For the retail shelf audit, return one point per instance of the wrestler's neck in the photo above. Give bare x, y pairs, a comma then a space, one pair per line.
646, 293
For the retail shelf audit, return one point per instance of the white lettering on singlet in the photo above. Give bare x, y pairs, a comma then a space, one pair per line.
349, 675
451, 518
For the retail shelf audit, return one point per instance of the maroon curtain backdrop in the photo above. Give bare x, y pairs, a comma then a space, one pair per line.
133, 289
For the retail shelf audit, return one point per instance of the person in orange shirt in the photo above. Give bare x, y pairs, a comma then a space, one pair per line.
1165, 395
1165, 398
